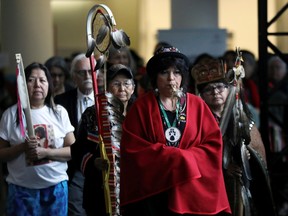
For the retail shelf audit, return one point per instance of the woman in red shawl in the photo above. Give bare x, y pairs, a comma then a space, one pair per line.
171, 148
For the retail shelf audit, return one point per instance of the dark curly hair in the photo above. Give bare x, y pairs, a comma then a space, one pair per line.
167, 62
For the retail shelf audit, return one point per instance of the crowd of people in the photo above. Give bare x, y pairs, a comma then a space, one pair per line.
175, 135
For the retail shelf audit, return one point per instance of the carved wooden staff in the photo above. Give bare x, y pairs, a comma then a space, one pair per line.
101, 33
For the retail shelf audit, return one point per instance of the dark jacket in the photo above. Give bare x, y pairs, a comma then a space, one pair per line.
69, 101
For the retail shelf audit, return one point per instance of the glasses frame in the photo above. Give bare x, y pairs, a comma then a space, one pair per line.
211, 89
82, 73
117, 84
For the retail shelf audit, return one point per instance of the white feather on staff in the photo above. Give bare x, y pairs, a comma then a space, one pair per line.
23, 98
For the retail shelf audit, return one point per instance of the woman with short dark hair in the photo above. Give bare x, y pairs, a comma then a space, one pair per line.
171, 147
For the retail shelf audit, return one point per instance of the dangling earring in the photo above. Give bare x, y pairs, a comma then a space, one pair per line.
156, 91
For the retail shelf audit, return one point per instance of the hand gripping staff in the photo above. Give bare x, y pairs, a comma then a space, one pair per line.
101, 34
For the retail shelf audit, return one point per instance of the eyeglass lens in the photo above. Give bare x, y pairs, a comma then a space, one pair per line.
118, 84
211, 89
83, 72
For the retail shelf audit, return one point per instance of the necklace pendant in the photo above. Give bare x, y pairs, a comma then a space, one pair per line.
172, 134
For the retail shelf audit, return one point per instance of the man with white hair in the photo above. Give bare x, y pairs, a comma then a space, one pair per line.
76, 101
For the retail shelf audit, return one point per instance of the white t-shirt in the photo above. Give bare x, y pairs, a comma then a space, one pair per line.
52, 129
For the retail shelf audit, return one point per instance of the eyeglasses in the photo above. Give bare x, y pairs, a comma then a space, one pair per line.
82, 73
211, 89
118, 84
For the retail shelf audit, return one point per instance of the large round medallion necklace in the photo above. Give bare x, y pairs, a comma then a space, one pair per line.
172, 133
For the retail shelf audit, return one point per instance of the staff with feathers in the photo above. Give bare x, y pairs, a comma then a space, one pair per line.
243, 148
241, 133
101, 33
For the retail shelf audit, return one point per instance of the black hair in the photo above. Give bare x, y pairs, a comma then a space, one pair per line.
40, 131
35, 65
57, 61
49, 101
167, 62
202, 57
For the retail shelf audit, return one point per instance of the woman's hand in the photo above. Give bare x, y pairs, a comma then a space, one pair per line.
34, 151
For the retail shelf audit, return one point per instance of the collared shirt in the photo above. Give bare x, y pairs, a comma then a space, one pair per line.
83, 101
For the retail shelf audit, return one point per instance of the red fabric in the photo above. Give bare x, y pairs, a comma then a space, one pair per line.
251, 92
191, 174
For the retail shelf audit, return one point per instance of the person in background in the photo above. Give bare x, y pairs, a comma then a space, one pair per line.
252, 95
143, 86
117, 56
171, 147
86, 150
37, 178
124, 56
229, 57
60, 74
121, 56
139, 62
247, 196
140, 77
76, 101
277, 96
278, 129
277, 72
201, 58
